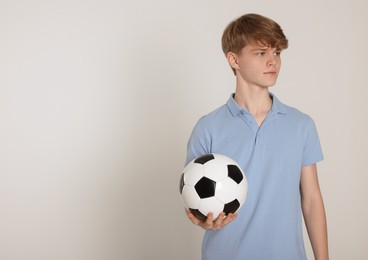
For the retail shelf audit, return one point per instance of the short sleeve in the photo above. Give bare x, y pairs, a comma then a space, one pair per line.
312, 152
198, 143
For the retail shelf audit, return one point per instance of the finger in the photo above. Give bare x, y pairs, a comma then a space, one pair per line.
192, 218
209, 221
227, 220
230, 218
219, 220
233, 216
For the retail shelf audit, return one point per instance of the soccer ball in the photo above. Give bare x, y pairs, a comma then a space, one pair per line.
213, 183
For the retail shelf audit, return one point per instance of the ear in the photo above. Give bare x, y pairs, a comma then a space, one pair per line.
232, 60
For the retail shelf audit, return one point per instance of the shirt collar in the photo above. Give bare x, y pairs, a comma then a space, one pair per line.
277, 106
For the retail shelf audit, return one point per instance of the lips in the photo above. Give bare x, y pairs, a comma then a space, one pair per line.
270, 72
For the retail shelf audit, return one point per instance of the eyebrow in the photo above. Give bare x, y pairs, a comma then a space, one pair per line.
259, 48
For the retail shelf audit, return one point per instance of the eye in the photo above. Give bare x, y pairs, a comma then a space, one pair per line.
260, 53
277, 53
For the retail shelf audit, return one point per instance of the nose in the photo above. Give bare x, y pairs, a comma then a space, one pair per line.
271, 61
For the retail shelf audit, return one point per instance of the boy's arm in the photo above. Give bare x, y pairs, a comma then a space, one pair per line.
314, 212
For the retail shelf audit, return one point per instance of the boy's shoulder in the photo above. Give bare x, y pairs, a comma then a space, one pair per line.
292, 112
217, 115
295, 113
298, 120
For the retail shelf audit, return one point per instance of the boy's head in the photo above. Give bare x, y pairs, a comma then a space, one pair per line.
252, 29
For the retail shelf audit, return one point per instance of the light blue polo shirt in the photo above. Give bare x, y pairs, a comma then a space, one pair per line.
269, 225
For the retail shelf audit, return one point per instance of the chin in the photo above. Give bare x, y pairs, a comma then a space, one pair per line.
271, 84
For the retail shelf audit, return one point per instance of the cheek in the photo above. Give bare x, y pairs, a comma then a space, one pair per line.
279, 62
278, 65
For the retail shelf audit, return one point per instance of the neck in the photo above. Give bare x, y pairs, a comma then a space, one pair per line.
256, 100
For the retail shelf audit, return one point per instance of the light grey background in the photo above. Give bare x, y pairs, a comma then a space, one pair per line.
98, 99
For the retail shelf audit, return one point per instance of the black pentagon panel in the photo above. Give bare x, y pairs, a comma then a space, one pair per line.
198, 214
235, 173
204, 158
205, 188
181, 184
231, 207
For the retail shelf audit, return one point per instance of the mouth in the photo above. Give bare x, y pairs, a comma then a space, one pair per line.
271, 73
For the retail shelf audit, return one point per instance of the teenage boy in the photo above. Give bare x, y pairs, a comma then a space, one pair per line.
276, 145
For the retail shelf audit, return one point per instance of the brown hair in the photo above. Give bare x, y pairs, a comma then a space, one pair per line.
252, 29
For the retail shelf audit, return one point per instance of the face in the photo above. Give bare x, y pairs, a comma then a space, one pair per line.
256, 65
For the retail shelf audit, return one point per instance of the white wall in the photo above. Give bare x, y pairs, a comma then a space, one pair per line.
98, 98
